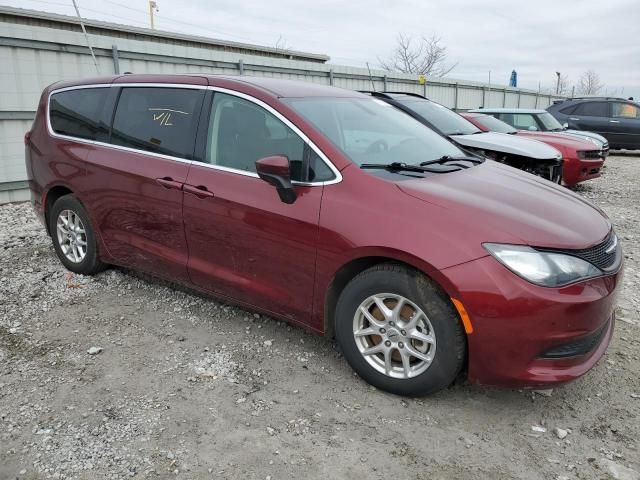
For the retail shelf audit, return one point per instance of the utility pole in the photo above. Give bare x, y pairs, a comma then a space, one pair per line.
153, 6
558, 83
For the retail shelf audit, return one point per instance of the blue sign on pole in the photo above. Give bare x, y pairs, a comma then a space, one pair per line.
514, 79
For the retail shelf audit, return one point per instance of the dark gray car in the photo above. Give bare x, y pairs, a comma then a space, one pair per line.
616, 119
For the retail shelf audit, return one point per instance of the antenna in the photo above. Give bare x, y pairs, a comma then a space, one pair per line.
86, 37
371, 78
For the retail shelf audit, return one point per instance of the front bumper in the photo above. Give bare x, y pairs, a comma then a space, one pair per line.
576, 170
517, 324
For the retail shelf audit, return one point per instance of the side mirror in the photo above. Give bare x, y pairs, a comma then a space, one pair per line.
532, 129
565, 125
275, 171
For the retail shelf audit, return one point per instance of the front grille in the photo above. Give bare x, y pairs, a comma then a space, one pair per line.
552, 172
581, 346
606, 255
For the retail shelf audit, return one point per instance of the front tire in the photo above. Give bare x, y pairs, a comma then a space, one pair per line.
399, 331
73, 236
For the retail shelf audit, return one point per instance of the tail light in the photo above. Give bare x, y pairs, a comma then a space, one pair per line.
27, 137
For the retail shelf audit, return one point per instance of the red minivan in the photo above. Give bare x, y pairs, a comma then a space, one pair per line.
332, 210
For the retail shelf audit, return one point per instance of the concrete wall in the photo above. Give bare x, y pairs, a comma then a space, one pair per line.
33, 56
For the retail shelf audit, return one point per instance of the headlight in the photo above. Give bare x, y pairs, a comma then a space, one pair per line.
548, 269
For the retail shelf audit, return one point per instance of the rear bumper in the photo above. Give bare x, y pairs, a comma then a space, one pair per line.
576, 170
526, 335
37, 202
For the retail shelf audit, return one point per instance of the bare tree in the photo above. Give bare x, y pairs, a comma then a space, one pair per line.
281, 43
589, 83
424, 56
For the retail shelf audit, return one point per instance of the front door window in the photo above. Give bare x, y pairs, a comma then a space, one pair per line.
242, 132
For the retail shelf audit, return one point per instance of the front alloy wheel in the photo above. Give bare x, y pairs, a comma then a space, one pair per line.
399, 331
394, 335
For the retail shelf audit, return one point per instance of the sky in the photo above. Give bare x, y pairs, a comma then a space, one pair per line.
536, 38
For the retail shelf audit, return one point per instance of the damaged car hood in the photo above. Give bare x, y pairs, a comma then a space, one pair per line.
510, 144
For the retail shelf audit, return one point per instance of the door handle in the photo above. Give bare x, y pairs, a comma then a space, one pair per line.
573, 118
200, 191
614, 121
168, 182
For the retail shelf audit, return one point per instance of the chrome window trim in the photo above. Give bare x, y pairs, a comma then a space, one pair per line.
260, 103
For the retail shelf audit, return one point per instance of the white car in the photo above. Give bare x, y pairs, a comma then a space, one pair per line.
525, 154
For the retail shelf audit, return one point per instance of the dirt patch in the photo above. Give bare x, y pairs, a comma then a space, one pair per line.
187, 387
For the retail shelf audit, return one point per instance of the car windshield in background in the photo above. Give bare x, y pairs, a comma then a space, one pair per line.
369, 130
445, 120
495, 125
549, 122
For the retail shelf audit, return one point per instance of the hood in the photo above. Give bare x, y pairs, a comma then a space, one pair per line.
511, 206
587, 135
504, 143
561, 139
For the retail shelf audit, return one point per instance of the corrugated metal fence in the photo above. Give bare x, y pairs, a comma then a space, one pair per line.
33, 56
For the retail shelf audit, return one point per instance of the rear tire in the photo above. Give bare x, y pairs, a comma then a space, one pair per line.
73, 236
409, 324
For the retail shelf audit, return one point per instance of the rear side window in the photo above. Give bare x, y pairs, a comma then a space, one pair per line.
524, 121
592, 109
156, 119
77, 113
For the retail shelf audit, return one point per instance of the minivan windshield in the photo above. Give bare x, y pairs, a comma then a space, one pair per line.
495, 125
445, 120
370, 131
549, 122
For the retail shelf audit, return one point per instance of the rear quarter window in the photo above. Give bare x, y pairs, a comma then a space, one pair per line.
78, 113
157, 119
568, 110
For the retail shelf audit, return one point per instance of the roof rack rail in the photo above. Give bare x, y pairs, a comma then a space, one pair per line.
596, 97
374, 93
411, 94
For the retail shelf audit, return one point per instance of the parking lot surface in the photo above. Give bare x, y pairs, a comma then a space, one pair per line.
120, 375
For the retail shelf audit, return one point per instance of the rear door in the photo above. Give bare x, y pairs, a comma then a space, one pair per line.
244, 242
624, 125
134, 186
591, 117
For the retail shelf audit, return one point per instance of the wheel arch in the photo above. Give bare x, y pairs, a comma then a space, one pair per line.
355, 265
52, 194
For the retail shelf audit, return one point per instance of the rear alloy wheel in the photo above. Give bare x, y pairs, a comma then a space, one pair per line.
73, 236
399, 331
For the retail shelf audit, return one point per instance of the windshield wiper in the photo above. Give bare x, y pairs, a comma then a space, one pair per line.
447, 158
405, 167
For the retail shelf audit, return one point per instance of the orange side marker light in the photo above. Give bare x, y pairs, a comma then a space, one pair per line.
466, 321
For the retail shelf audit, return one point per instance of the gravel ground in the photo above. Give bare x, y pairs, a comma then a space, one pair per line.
190, 388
